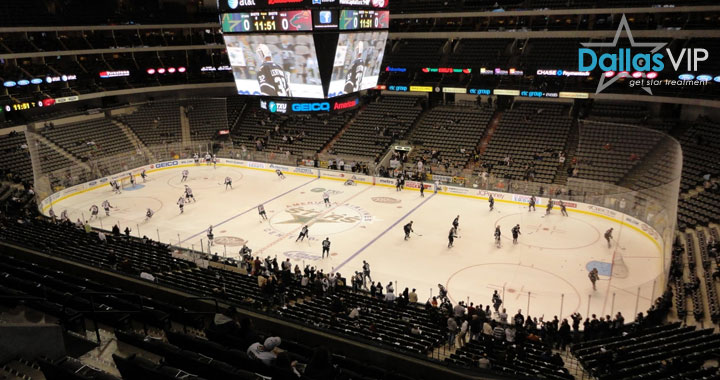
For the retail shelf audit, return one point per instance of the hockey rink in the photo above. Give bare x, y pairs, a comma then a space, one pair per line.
547, 271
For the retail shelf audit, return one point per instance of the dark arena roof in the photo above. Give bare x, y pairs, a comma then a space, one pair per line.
262, 189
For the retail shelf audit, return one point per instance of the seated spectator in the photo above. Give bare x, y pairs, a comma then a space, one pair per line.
264, 352
484, 362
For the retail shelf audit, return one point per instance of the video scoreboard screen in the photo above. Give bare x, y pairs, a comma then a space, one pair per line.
310, 49
267, 21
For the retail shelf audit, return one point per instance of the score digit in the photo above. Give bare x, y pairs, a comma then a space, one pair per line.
285, 24
246, 25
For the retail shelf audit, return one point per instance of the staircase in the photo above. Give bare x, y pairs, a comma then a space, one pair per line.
342, 130
489, 131
646, 165
571, 146
573, 365
134, 139
60, 150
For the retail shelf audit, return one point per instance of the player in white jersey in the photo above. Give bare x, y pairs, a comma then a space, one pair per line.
185, 174
326, 198
106, 205
303, 234
181, 204
214, 161
210, 235
280, 174
149, 214
208, 159
228, 182
189, 194
94, 212
196, 158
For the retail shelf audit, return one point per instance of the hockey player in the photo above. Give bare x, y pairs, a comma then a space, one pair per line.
94, 212
149, 214
184, 175
422, 190
497, 237
303, 234
442, 293
210, 235
228, 182
106, 205
181, 204
326, 199
531, 203
117, 188
208, 159
326, 247
132, 180
273, 80
189, 194
143, 175
196, 158
593, 275
492, 202
563, 210
261, 211
549, 206
408, 229
354, 76
515, 233
350, 182
366, 274
280, 174
456, 222
214, 161
398, 184
609, 237
451, 236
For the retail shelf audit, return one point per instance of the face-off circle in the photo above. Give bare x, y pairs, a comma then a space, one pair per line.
324, 220
387, 200
230, 241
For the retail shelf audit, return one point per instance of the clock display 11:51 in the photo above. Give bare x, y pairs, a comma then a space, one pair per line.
265, 25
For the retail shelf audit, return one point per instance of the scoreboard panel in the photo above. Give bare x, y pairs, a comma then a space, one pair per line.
269, 21
354, 19
240, 5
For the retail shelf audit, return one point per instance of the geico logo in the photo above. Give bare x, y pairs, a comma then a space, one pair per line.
307, 107
166, 164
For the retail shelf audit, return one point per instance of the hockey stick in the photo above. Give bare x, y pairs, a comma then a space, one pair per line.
417, 233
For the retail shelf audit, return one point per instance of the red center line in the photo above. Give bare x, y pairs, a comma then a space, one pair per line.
312, 221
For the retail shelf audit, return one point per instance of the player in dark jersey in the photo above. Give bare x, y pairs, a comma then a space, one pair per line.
273, 80
354, 76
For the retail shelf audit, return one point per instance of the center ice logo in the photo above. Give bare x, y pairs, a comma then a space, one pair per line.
322, 220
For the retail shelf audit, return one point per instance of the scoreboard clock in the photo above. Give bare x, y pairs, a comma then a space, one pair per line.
271, 21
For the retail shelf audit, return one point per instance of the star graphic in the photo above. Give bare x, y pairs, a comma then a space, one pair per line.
304, 219
602, 85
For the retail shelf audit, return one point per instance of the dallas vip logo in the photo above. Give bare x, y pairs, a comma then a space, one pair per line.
625, 60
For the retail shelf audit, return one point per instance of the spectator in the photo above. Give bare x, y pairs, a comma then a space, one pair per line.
463, 333
452, 330
264, 352
510, 333
484, 362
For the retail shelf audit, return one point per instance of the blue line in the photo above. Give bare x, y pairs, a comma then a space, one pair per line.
248, 210
382, 234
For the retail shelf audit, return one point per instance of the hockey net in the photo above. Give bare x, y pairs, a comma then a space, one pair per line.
619, 268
